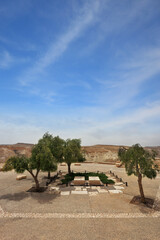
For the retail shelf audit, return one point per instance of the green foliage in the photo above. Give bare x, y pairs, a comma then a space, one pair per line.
20, 164
55, 144
57, 148
70, 177
138, 161
42, 157
72, 151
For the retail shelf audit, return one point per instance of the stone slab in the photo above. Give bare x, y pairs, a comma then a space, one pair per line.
20, 177
94, 187
65, 193
78, 189
102, 190
63, 164
118, 187
79, 192
115, 191
118, 184
94, 178
111, 187
54, 188
94, 181
79, 180
93, 193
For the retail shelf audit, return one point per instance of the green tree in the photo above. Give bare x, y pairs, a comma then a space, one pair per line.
72, 152
41, 159
139, 162
42, 154
56, 145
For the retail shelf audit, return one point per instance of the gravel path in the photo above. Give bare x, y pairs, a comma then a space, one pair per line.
77, 215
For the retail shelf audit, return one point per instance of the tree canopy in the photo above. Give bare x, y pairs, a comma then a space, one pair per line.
54, 146
72, 152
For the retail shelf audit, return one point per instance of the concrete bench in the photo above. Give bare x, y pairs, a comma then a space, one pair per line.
20, 177
94, 181
78, 180
63, 164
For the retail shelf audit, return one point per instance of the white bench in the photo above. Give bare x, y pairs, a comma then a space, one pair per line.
94, 181
78, 180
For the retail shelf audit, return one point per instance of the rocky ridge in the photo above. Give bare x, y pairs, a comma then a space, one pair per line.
98, 153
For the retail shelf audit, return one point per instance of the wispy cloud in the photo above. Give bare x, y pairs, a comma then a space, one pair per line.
135, 68
49, 97
127, 129
116, 17
5, 59
85, 18
18, 45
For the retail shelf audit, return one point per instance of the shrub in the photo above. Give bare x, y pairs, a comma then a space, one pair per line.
104, 179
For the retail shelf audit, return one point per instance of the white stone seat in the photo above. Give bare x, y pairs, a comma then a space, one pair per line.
20, 177
94, 181
79, 180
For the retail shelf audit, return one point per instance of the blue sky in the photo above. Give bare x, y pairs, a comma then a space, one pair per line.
86, 69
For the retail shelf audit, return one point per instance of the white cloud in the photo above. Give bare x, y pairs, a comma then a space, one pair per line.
116, 17
137, 67
5, 59
140, 125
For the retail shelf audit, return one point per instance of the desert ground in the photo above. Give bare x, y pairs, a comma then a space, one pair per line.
50, 215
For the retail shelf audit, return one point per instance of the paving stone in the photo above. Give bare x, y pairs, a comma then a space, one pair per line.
78, 189
94, 187
118, 184
102, 190
79, 192
118, 187
111, 188
115, 191
54, 188
84, 189
93, 193
92, 190
65, 193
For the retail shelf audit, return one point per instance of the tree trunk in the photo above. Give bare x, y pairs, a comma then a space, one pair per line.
37, 184
69, 168
141, 188
49, 175
35, 177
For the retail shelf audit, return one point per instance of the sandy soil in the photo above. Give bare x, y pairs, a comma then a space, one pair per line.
15, 199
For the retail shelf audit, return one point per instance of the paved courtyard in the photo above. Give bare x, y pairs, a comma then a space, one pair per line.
70, 214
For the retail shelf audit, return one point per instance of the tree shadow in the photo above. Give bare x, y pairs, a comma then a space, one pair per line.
44, 197
14, 197
40, 197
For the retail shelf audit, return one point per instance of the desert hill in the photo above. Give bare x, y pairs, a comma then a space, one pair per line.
96, 153
7, 151
109, 153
